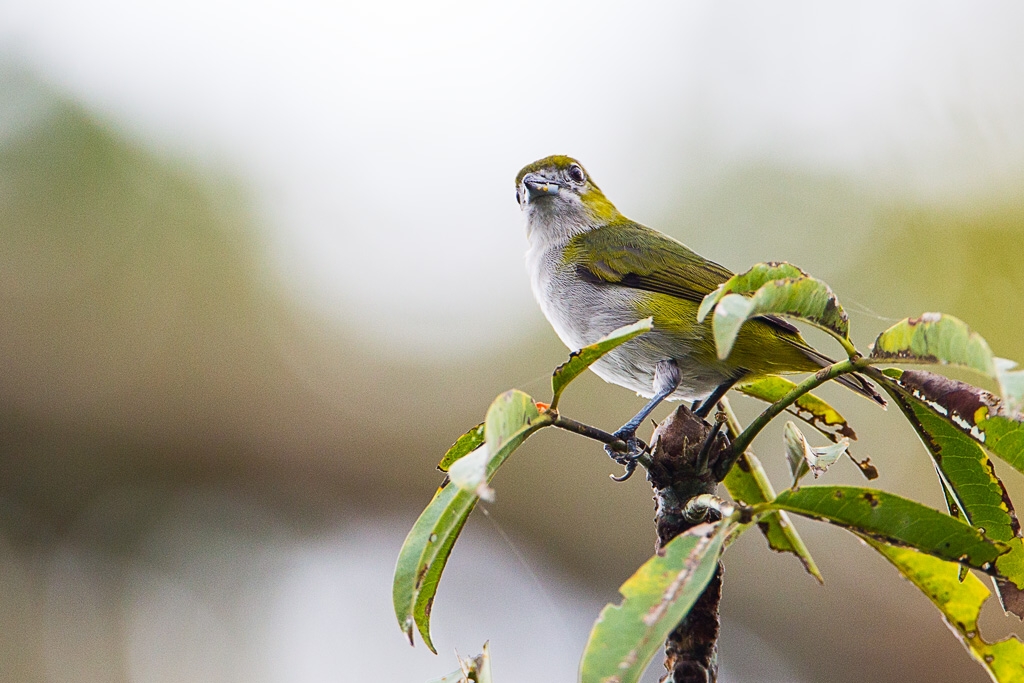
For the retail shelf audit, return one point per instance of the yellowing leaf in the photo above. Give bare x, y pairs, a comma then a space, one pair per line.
657, 597
960, 603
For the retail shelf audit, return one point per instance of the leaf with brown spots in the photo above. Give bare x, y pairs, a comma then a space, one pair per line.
804, 298
935, 407
935, 338
811, 409
975, 412
894, 520
938, 338
626, 636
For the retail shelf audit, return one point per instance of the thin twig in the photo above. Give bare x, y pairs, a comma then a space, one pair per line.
613, 442
570, 425
744, 439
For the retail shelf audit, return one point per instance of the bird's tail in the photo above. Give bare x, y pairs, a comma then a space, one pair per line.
862, 387
854, 382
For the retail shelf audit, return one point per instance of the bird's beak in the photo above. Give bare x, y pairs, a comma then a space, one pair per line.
539, 186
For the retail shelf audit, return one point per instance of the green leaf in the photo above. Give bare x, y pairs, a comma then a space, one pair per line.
935, 338
796, 452
423, 556
730, 314
894, 520
1004, 437
804, 458
942, 339
657, 597
465, 444
507, 416
747, 283
960, 603
974, 411
809, 408
585, 357
748, 483
806, 298
1010, 582
429, 544
964, 466
972, 488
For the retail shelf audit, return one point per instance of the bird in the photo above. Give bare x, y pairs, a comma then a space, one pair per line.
592, 271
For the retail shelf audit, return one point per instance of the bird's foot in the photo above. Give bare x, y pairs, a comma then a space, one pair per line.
628, 458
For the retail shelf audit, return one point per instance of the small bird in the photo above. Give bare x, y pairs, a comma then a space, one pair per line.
593, 270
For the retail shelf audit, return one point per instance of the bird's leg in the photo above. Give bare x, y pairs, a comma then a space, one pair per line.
666, 379
710, 401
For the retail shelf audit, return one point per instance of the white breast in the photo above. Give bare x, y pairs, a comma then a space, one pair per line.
581, 313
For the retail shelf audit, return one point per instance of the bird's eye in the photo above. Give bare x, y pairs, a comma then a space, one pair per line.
518, 201
576, 174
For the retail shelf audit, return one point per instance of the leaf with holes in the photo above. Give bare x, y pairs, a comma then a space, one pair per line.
942, 339
974, 411
588, 355
748, 283
935, 338
810, 408
805, 298
657, 597
960, 601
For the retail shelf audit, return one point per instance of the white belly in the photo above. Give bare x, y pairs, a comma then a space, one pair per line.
581, 313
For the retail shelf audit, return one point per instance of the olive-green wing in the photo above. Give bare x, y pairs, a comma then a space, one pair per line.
631, 255
628, 254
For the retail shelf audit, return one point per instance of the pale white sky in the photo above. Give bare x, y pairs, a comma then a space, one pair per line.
380, 139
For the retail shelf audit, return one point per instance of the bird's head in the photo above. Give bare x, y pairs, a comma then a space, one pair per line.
559, 199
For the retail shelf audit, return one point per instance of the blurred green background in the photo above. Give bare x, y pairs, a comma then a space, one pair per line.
261, 265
